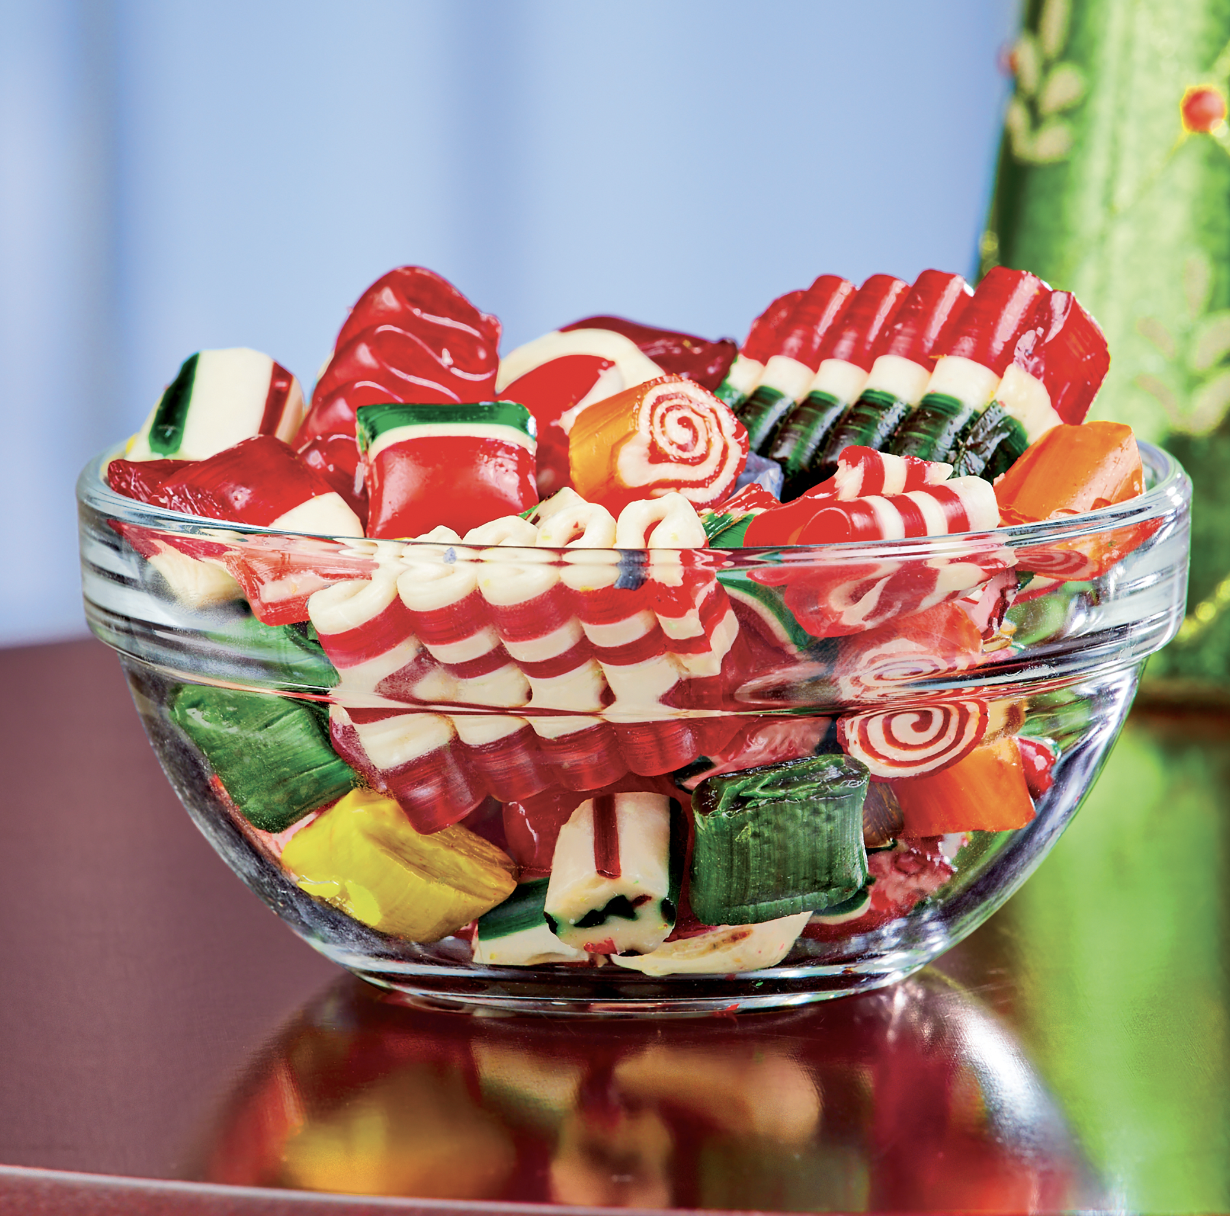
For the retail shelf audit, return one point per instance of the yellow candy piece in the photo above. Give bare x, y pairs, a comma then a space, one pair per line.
363, 857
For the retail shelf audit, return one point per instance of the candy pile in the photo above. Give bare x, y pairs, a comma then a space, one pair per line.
558, 723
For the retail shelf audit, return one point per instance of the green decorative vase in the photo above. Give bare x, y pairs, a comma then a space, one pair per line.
1114, 183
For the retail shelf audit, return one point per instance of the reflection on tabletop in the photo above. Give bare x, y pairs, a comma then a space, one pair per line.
1115, 961
912, 1097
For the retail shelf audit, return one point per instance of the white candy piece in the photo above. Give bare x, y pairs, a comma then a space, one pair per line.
744, 375
668, 522
232, 395
723, 950
634, 367
608, 915
969, 382
787, 376
196, 583
903, 378
566, 520
839, 379
1024, 397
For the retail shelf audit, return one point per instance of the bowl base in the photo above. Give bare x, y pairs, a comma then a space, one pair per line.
673, 996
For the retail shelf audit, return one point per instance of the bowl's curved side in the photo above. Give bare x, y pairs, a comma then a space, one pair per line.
190, 604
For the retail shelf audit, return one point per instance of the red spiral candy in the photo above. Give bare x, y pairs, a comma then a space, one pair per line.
655, 438
911, 742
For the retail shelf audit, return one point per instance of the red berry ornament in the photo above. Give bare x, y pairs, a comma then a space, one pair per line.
1203, 109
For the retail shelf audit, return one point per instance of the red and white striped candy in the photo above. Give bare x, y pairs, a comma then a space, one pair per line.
368, 634
583, 751
609, 598
414, 757
692, 608
912, 742
440, 588
964, 504
873, 666
533, 616
504, 751
862, 471
833, 598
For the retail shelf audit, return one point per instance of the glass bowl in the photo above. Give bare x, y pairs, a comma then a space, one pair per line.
498, 775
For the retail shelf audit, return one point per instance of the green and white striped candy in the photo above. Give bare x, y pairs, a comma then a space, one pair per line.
382, 426
769, 608
516, 934
217, 399
958, 391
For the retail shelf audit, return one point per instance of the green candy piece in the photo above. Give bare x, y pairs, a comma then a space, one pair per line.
522, 910
778, 840
800, 437
727, 394
166, 432
289, 655
271, 754
934, 429
716, 522
869, 423
993, 444
731, 537
850, 909
760, 414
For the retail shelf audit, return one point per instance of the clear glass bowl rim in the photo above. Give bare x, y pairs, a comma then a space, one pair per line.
1168, 489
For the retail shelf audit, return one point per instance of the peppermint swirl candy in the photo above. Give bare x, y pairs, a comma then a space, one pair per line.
913, 742
880, 673
1065, 561
685, 440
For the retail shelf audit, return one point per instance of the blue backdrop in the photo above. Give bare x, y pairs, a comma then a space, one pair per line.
184, 175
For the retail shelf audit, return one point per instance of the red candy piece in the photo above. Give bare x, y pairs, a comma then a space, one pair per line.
255, 482
548, 392
419, 300
854, 335
764, 338
936, 300
1038, 757
459, 466
987, 329
382, 364
412, 337
820, 307
1066, 350
677, 354
336, 459
143, 479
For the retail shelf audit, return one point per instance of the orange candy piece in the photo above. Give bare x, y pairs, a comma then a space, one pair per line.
666, 435
984, 792
1070, 470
